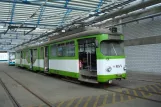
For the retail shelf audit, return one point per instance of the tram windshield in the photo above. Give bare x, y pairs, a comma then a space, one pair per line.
12, 55
112, 48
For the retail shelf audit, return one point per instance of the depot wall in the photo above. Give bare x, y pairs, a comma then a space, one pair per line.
3, 56
143, 45
142, 42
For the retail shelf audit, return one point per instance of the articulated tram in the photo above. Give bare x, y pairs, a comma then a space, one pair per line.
92, 55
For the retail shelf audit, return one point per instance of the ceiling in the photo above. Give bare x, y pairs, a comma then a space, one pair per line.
24, 20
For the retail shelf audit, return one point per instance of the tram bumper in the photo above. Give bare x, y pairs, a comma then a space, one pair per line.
107, 78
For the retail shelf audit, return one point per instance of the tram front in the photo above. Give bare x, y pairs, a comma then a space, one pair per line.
111, 59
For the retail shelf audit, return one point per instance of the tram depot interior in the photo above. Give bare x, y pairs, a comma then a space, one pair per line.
80, 53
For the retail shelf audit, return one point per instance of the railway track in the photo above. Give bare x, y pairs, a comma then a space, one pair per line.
111, 90
11, 97
119, 86
36, 95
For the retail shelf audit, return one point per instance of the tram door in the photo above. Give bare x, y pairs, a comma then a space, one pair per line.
31, 59
46, 59
87, 56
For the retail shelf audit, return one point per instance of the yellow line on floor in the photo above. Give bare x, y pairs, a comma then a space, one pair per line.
145, 87
121, 97
129, 97
59, 105
79, 101
70, 102
105, 99
135, 93
152, 88
86, 104
95, 103
142, 92
113, 98
155, 85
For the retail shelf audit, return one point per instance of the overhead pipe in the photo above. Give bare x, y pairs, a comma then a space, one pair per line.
104, 10
138, 5
156, 7
142, 18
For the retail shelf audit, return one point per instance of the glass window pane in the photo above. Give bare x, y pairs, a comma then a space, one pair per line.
53, 50
60, 50
34, 55
112, 48
71, 51
42, 52
66, 50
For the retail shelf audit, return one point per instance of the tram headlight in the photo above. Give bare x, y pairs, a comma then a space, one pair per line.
109, 69
124, 68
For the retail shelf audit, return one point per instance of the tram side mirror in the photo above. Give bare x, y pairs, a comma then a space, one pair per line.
96, 43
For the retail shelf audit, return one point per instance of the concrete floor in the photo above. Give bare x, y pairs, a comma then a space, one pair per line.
4, 99
65, 94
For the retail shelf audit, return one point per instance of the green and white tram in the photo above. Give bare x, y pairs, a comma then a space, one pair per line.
92, 55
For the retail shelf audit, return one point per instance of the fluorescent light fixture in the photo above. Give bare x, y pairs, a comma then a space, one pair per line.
63, 30
1, 26
37, 28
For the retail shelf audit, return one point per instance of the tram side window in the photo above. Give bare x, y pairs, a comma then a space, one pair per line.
42, 52
53, 50
28, 56
34, 55
18, 55
60, 49
70, 49
65, 49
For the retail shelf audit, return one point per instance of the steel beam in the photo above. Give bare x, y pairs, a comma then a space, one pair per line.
6, 22
13, 27
99, 5
66, 13
47, 5
6, 31
30, 31
13, 10
15, 38
40, 15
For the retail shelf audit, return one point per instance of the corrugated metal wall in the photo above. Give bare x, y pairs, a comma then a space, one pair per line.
146, 58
